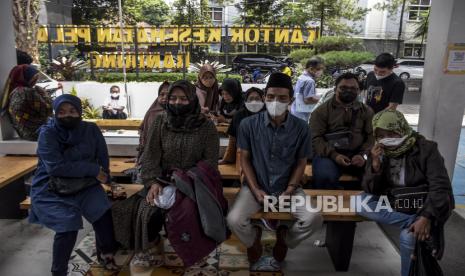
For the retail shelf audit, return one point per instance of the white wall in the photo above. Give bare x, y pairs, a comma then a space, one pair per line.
141, 94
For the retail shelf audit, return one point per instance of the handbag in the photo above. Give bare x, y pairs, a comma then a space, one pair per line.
408, 200
66, 186
424, 264
342, 139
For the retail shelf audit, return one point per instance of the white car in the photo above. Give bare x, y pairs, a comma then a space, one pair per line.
405, 68
409, 68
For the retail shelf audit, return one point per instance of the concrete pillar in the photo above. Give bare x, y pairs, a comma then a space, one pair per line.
443, 95
7, 57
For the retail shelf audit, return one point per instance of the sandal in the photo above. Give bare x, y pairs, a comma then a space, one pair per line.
108, 262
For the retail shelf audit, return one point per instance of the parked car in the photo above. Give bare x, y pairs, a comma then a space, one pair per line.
405, 68
410, 68
252, 61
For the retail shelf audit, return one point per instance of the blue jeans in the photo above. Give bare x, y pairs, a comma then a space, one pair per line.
326, 174
403, 221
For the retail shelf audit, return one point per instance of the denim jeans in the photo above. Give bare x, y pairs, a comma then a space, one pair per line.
403, 221
326, 174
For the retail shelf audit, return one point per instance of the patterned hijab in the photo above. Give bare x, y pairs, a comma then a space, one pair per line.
191, 120
213, 94
393, 120
20, 76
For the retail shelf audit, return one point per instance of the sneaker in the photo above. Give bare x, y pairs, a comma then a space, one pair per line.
256, 250
141, 262
280, 247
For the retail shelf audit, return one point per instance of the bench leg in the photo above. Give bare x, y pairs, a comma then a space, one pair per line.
10, 197
339, 242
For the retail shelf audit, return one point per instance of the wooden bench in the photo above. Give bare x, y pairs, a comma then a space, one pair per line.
117, 124
131, 124
340, 228
13, 169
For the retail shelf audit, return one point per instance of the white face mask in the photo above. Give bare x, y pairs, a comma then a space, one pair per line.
275, 108
392, 142
318, 73
254, 106
378, 77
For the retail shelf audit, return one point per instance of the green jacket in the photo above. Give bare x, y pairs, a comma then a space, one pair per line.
332, 117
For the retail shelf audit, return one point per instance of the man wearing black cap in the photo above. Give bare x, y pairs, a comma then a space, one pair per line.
274, 148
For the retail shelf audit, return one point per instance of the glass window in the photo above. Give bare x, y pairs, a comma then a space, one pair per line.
216, 14
413, 50
417, 9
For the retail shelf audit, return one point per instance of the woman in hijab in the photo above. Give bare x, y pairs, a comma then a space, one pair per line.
253, 105
71, 148
404, 162
178, 138
28, 105
207, 89
231, 101
157, 107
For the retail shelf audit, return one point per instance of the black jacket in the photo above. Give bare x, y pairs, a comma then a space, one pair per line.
424, 165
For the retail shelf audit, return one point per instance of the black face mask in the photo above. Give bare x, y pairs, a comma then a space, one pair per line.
69, 122
179, 109
347, 96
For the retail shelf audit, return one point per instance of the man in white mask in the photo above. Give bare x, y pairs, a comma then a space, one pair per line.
305, 89
113, 107
385, 90
275, 146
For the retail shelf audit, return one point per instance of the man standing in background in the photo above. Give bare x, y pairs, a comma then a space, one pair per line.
305, 89
385, 90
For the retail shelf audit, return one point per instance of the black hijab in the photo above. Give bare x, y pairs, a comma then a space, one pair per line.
191, 120
235, 90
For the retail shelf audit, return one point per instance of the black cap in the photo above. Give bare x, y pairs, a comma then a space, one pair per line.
280, 80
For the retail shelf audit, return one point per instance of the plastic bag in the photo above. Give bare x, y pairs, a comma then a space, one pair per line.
424, 264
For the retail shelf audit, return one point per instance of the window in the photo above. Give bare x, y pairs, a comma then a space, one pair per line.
216, 15
417, 9
413, 50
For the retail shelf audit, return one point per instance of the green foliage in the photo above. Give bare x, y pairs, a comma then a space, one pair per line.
421, 30
334, 14
301, 54
85, 12
73, 91
260, 12
154, 12
337, 43
189, 12
91, 113
346, 59
325, 81
155, 77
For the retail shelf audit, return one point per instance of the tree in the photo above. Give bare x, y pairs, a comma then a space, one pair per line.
331, 15
260, 12
26, 23
422, 29
153, 12
189, 12
94, 12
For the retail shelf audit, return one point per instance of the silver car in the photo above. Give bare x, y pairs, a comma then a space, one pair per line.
405, 68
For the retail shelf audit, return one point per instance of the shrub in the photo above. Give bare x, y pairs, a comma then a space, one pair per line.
346, 59
337, 43
301, 54
155, 77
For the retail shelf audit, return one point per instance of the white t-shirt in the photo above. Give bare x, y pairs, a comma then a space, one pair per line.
115, 103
